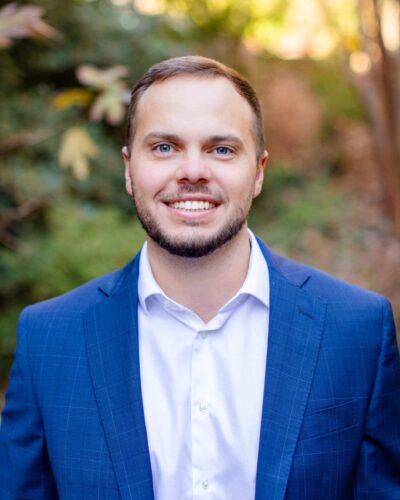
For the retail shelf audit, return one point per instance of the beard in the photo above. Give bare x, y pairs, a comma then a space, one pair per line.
195, 247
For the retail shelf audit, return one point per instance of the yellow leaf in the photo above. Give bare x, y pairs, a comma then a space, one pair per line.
72, 97
75, 150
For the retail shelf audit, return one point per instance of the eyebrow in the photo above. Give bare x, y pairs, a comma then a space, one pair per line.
214, 139
229, 138
151, 136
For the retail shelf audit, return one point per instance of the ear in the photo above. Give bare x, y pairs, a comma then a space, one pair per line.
128, 178
262, 162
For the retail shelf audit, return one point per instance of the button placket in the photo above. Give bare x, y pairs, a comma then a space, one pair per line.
199, 421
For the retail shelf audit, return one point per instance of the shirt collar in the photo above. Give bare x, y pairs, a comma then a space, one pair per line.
257, 279
256, 283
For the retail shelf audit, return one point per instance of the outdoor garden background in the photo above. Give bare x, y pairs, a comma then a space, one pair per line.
328, 75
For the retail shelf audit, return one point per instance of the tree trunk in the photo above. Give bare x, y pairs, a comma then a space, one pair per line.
380, 90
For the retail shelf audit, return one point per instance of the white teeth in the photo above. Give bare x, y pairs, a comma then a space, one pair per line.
192, 205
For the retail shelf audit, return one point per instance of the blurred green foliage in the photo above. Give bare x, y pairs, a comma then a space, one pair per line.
293, 202
80, 242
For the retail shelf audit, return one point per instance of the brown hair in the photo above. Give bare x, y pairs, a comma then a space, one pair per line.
199, 66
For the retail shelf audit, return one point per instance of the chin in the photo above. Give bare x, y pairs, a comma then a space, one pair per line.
191, 246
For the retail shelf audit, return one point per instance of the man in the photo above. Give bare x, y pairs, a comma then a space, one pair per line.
209, 367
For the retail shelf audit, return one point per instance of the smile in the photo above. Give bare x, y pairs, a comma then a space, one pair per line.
192, 205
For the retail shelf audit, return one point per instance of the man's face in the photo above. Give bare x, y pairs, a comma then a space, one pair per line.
192, 170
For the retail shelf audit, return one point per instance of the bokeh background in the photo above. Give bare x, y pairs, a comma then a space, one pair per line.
327, 73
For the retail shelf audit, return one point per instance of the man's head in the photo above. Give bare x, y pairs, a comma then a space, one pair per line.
194, 161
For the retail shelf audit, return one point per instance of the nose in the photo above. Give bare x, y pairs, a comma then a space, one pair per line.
193, 169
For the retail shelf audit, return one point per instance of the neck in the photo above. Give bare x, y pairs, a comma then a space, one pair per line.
202, 284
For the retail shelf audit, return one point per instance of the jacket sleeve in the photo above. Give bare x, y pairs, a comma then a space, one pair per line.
24, 465
378, 474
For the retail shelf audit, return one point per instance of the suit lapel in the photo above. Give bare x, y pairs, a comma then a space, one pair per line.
111, 333
295, 330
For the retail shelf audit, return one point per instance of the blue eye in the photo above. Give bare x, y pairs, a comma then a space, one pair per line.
223, 150
163, 148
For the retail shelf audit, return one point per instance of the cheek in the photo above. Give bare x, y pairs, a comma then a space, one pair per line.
242, 187
147, 183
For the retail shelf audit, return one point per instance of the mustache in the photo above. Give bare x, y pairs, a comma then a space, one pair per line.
191, 189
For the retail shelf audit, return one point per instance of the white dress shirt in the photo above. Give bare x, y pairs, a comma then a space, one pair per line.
202, 386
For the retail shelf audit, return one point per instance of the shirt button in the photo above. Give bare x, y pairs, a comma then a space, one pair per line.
205, 484
203, 406
203, 335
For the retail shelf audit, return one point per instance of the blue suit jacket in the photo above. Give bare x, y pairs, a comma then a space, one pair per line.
73, 425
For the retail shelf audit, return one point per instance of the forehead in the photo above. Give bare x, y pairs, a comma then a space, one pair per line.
194, 101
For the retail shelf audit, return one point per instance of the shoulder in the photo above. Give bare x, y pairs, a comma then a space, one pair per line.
353, 316
55, 327
72, 304
322, 285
